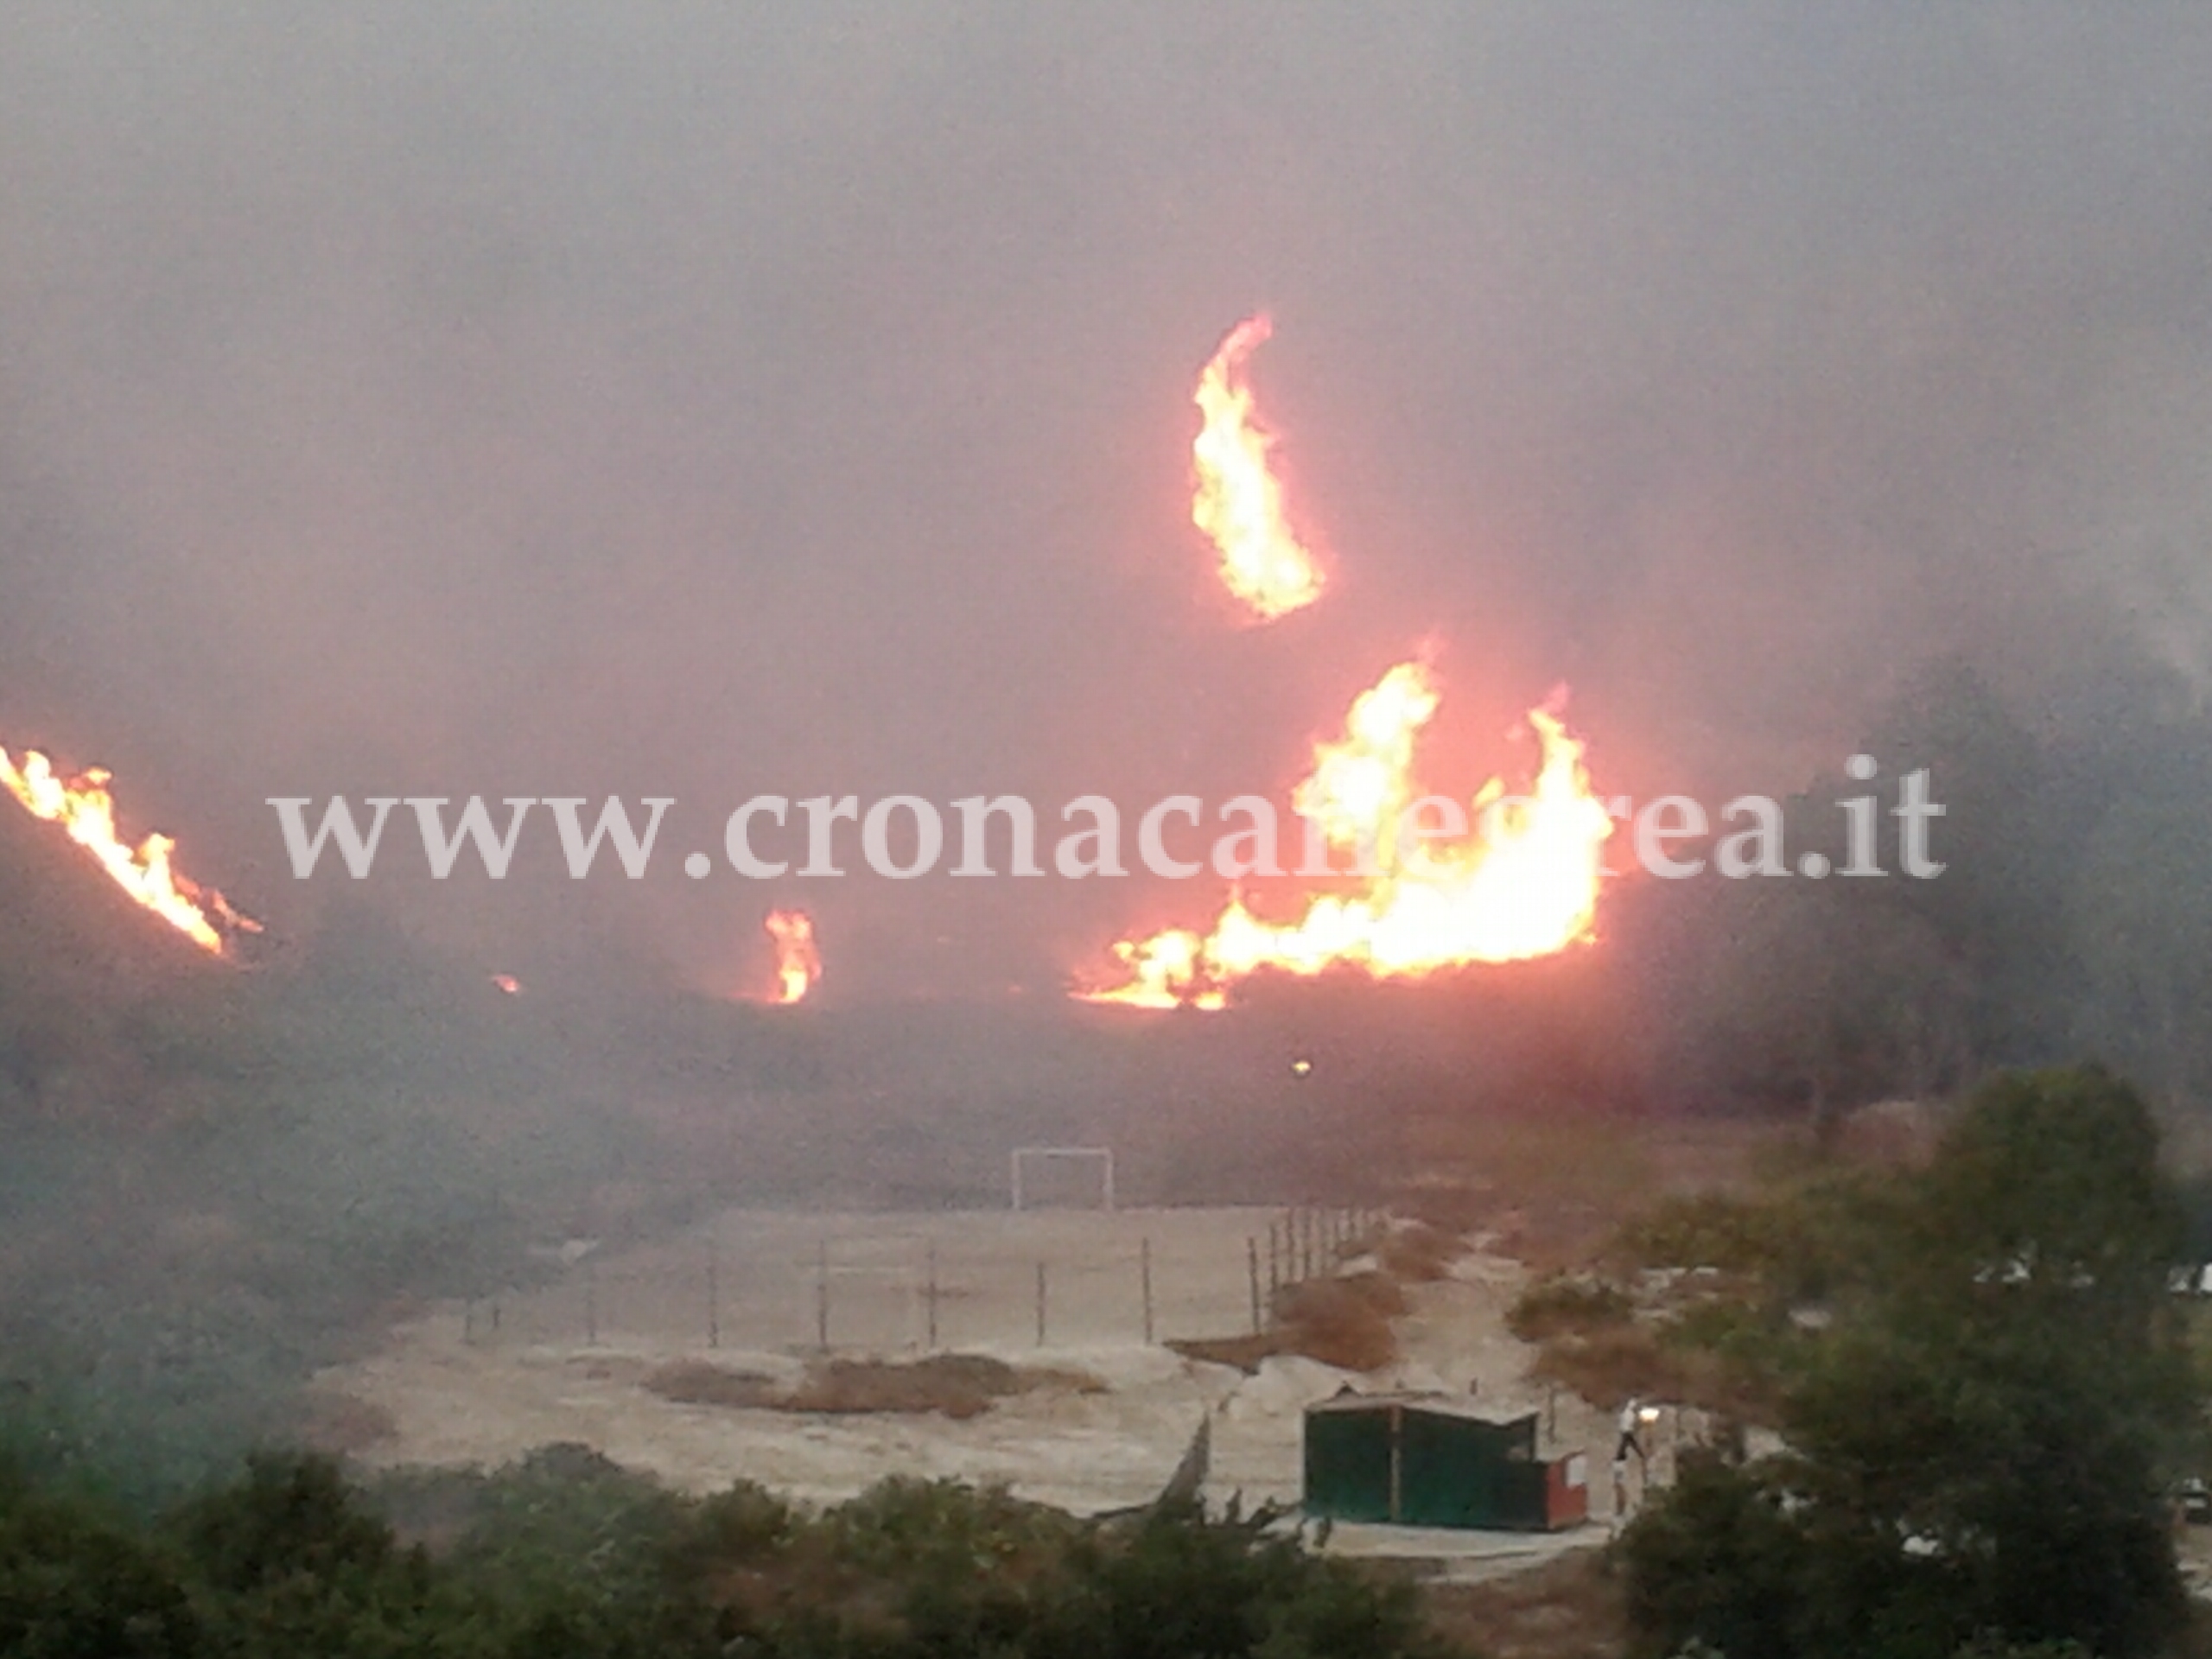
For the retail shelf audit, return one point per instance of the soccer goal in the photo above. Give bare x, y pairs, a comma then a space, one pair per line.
1061, 1176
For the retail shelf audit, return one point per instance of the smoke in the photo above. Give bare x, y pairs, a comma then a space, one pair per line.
700, 400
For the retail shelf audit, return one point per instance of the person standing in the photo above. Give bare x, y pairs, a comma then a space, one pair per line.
1629, 1441
1631, 1423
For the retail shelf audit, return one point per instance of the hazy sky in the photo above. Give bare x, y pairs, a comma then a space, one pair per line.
705, 399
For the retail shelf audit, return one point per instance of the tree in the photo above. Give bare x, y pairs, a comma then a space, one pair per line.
289, 1560
1717, 1562
75, 1586
1975, 1446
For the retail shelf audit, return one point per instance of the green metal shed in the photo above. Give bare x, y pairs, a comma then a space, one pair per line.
1435, 1460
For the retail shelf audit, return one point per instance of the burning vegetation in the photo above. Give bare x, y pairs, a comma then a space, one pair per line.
1237, 500
84, 808
799, 963
1523, 884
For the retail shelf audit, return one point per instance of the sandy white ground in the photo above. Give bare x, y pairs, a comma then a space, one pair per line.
566, 1361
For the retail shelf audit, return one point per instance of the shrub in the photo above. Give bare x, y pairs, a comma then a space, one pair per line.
1562, 1305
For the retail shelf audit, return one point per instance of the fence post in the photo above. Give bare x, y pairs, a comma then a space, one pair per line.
1040, 1304
714, 1296
931, 1296
822, 1296
1252, 1273
1144, 1269
591, 1300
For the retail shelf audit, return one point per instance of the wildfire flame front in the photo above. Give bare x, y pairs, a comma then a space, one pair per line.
84, 807
1523, 884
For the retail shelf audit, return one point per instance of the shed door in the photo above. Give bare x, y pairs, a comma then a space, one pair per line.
1348, 1465
1453, 1473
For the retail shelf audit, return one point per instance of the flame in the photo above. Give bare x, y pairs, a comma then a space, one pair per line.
1237, 501
508, 984
84, 807
799, 964
1522, 883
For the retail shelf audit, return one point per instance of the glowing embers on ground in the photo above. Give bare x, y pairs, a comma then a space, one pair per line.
1516, 877
83, 806
1237, 500
798, 961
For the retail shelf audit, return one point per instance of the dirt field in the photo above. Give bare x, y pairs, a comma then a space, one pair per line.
784, 1282
570, 1360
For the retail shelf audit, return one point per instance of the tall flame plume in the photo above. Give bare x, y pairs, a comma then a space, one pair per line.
84, 806
1237, 500
1524, 883
798, 961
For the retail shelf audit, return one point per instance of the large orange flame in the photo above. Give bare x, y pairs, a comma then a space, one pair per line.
1237, 501
799, 963
1523, 882
84, 807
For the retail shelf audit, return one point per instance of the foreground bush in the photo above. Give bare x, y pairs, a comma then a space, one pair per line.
567, 1554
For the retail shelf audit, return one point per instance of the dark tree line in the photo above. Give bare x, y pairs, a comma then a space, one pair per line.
2071, 918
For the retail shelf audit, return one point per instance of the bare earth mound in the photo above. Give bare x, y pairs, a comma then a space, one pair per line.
958, 1386
1340, 1322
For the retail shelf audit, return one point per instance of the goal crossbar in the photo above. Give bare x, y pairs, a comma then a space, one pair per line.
1102, 1156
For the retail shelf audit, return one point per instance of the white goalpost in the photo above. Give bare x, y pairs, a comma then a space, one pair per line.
1101, 1158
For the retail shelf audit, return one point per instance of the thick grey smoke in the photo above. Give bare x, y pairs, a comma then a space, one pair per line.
699, 399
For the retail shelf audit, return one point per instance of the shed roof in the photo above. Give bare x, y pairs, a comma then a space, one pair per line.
1462, 1406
